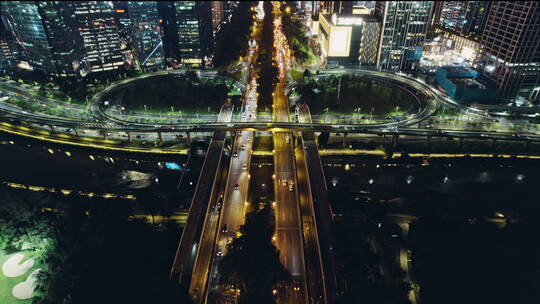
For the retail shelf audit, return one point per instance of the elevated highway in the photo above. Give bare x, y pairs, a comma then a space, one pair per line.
189, 242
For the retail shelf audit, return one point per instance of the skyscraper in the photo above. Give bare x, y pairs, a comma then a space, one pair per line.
101, 41
194, 30
217, 15
9, 51
338, 7
170, 36
404, 27
45, 33
465, 17
146, 33
229, 7
511, 52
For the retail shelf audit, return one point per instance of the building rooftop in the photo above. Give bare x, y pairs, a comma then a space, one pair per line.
459, 70
468, 83
349, 19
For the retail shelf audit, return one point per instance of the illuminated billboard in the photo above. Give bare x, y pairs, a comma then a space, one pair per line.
340, 41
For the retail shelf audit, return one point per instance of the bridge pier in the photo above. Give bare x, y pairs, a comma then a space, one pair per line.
188, 136
76, 131
104, 134
130, 137
395, 138
461, 139
160, 136
344, 139
52, 128
493, 142
428, 140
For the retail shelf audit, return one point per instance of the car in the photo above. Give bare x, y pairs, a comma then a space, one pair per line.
235, 154
236, 187
220, 252
224, 228
296, 286
291, 188
515, 134
244, 167
287, 138
243, 147
284, 182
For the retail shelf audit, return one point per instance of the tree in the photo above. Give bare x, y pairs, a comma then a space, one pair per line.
297, 35
232, 38
252, 261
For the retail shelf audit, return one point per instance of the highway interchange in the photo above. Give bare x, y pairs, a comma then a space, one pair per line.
302, 211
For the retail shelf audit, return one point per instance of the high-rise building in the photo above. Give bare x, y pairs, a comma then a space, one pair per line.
436, 12
465, 17
146, 33
168, 24
217, 15
404, 27
338, 7
121, 16
349, 39
9, 51
229, 7
101, 41
45, 33
194, 30
510, 48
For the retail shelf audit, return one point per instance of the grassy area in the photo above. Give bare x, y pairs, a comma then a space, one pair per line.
173, 92
263, 143
55, 110
446, 112
297, 75
356, 96
7, 284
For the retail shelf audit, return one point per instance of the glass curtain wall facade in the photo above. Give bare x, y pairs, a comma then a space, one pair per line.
465, 17
99, 32
405, 24
511, 52
146, 32
188, 26
44, 31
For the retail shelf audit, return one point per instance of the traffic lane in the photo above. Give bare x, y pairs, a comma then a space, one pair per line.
324, 219
234, 201
289, 241
207, 214
288, 227
311, 241
204, 253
